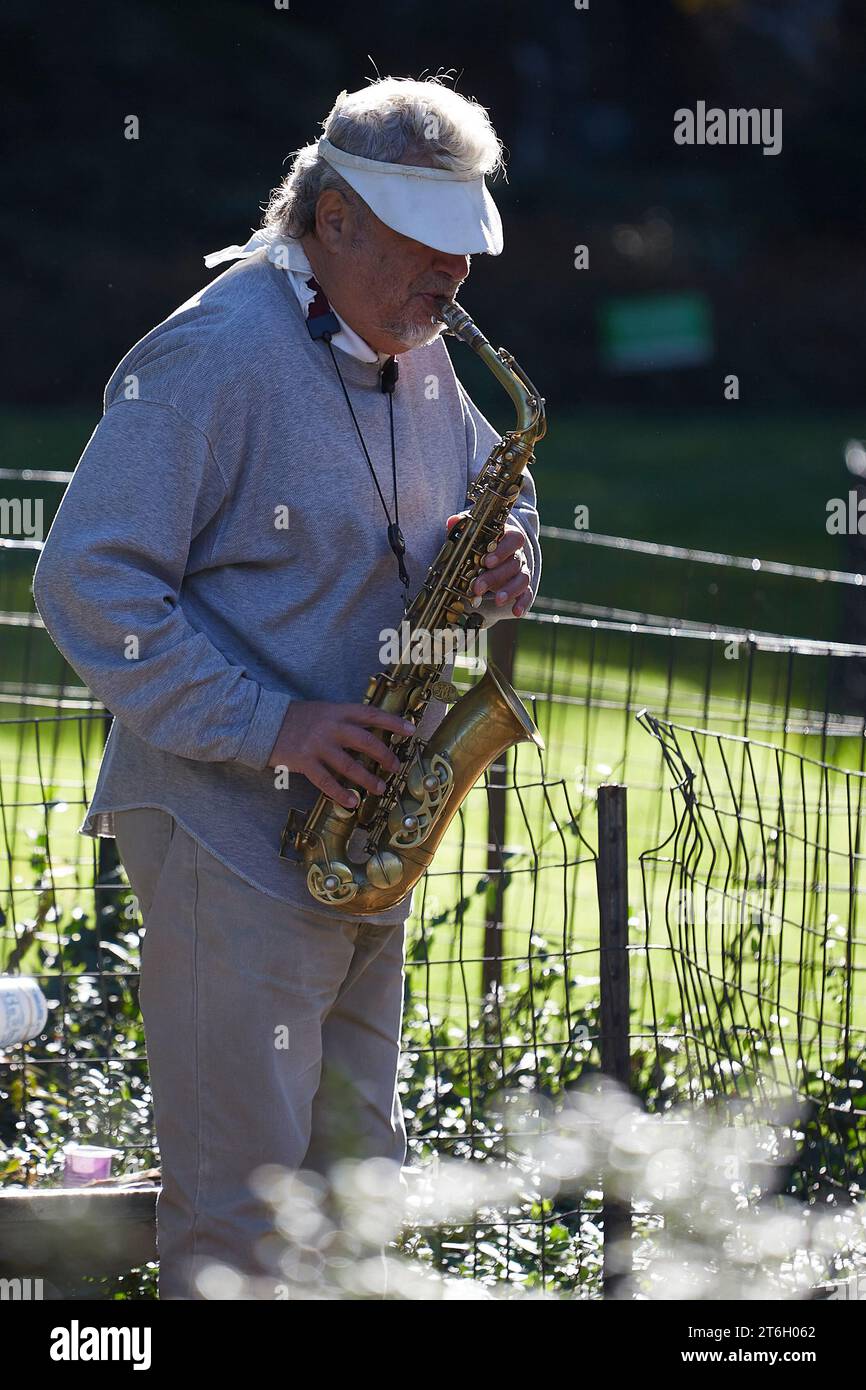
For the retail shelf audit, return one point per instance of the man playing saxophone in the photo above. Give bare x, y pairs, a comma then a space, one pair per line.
271, 479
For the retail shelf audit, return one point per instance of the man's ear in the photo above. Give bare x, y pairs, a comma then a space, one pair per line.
332, 219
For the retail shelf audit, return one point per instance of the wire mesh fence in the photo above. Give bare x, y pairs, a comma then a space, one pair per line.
744, 773
760, 920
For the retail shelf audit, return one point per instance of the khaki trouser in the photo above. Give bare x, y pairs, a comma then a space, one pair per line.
272, 1036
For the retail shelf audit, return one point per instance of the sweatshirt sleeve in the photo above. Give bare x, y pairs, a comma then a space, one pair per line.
480, 439
108, 586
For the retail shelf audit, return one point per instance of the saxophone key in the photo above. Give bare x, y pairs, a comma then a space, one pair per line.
384, 869
446, 691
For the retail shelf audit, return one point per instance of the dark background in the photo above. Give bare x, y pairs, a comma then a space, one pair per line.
104, 236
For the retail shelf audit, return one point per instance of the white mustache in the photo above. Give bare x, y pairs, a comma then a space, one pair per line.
446, 291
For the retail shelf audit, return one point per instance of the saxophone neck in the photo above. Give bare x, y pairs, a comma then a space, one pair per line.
529, 405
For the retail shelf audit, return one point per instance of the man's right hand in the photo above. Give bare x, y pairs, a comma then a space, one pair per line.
316, 735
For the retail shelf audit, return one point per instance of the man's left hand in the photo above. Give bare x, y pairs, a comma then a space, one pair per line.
507, 574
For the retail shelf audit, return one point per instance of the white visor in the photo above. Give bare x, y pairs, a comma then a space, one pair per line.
450, 212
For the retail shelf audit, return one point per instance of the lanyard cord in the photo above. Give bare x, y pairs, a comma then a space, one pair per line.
395, 535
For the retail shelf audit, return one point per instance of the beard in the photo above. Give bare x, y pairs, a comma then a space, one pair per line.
412, 333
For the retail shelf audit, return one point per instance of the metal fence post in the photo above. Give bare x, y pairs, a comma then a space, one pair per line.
612, 881
501, 643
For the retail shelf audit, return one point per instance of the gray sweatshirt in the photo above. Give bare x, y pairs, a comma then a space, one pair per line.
221, 551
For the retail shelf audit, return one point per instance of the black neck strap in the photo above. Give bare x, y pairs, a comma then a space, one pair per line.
322, 323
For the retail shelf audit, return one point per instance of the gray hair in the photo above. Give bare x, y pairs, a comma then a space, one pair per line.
396, 120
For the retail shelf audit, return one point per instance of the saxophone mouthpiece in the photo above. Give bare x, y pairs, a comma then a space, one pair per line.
450, 313
460, 324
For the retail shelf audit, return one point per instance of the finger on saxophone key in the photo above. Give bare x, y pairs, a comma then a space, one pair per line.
374, 717
378, 754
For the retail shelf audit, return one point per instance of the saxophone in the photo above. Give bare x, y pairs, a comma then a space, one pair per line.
398, 831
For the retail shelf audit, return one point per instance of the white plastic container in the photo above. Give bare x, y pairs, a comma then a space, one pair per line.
85, 1163
23, 1010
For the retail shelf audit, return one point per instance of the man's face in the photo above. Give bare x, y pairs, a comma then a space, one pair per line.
384, 284
403, 282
